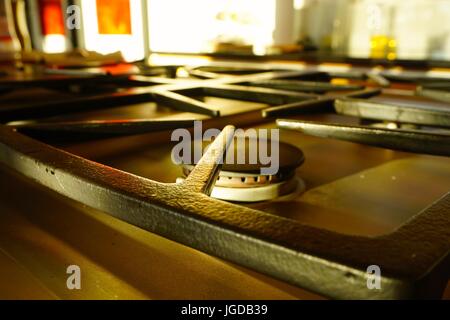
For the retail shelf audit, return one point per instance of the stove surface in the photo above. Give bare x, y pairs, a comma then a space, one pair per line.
88, 172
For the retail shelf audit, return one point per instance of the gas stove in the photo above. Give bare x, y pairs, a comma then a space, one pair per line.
361, 184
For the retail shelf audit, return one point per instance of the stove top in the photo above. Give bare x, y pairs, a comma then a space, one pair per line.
363, 181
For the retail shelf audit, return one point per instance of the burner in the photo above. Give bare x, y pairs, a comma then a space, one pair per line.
243, 182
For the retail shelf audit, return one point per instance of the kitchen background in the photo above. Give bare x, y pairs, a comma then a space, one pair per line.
380, 29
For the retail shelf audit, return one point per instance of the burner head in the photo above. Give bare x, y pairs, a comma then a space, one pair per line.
243, 182
289, 156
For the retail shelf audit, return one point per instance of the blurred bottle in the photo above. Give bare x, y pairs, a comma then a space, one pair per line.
38, 25
9, 42
380, 24
341, 28
19, 25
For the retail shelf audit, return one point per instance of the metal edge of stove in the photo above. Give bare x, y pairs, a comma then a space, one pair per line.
325, 262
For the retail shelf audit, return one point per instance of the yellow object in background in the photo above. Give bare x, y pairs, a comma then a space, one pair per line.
383, 47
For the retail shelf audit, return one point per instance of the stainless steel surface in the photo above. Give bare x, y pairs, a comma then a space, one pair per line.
439, 95
99, 128
322, 103
404, 140
421, 115
304, 86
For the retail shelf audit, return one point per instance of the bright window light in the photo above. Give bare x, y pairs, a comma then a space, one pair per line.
104, 38
201, 25
54, 43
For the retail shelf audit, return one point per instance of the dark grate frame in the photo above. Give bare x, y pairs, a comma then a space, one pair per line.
414, 258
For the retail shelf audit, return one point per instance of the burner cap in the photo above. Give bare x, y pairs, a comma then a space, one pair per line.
290, 157
244, 182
